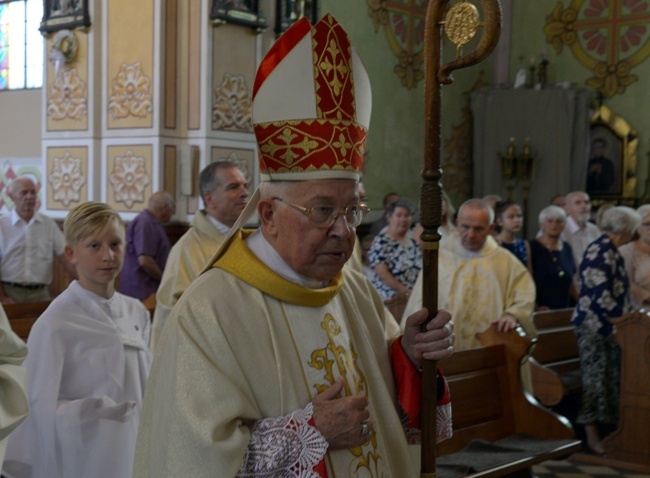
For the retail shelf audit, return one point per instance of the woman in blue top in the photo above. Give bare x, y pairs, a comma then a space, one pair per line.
552, 261
604, 295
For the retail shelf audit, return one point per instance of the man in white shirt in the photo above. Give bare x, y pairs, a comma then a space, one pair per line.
578, 231
224, 190
29, 241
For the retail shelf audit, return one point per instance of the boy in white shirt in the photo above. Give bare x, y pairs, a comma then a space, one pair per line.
87, 365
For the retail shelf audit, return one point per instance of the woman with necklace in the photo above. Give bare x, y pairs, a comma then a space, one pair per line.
637, 261
552, 262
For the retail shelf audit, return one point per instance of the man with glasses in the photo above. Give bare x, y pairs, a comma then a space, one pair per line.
276, 361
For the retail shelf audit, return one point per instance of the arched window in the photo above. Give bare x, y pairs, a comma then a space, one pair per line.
21, 44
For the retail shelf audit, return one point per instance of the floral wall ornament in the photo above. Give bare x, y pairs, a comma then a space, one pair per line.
67, 97
66, 179
232, 106
130, 93
609, 38
129, 179
403, 22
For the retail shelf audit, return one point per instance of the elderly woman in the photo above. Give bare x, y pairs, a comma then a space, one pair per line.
637, 261
552, 261
604, 295
394, 255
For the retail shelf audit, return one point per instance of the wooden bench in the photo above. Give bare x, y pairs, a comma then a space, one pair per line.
555, 361
23, 315
631, 441
489, 405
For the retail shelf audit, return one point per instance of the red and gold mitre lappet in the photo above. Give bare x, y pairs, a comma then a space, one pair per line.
311, 105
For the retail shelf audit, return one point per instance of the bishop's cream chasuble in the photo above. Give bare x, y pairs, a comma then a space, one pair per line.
244, 345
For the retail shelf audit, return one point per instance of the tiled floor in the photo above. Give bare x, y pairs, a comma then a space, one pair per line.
580, 469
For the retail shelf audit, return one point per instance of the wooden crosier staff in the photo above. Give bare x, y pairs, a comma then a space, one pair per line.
461, 24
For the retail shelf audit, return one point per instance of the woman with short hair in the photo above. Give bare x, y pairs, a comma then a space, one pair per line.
552, 261
604, 295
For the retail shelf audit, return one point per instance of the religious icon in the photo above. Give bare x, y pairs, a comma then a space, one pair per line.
611, 160
64, 15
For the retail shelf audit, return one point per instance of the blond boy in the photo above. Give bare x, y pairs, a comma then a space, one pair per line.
87, 365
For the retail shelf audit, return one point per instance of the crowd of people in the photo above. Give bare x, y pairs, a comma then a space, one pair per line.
273, 349
488, 274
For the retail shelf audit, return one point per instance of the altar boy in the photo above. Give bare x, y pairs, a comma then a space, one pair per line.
87, 365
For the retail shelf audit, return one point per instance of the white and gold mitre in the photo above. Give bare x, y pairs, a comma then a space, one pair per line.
311, 105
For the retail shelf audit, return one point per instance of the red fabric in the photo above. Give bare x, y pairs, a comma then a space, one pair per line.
321, 469
280, 49
302, 146
409, 384
333, 70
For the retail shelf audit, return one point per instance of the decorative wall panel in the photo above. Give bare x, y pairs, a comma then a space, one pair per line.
130, 64
67, 177
129, 173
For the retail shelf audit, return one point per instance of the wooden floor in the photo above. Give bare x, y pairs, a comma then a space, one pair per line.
583, 466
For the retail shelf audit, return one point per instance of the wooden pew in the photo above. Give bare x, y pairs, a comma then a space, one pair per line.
22, 316
631, 440
555, 363
490, 405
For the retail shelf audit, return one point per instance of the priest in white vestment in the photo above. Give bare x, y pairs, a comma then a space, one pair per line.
224, 190
13, 404
87, 365
479, 282
276, 361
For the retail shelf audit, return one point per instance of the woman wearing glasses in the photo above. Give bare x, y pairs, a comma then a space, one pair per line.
395, 256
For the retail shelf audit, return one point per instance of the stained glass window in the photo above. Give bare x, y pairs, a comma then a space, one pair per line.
21, 44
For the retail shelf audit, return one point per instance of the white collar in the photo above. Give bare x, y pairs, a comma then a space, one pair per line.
15, 218
221, 227
270, 257
573, 225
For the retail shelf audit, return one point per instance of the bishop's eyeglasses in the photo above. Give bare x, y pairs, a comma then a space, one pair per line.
325, 216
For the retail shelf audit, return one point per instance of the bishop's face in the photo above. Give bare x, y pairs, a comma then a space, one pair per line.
315, 252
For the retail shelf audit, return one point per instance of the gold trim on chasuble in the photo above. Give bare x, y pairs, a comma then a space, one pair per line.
240, 261
337, 356
331, 141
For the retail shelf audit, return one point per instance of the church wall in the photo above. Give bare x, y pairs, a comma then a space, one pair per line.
632, 101
396, 139
20, 124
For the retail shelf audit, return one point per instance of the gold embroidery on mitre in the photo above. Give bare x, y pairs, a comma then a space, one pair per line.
334, 64
337, 358
333, 71
286, 141
296, 145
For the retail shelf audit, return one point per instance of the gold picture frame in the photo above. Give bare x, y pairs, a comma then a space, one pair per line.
611, 162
